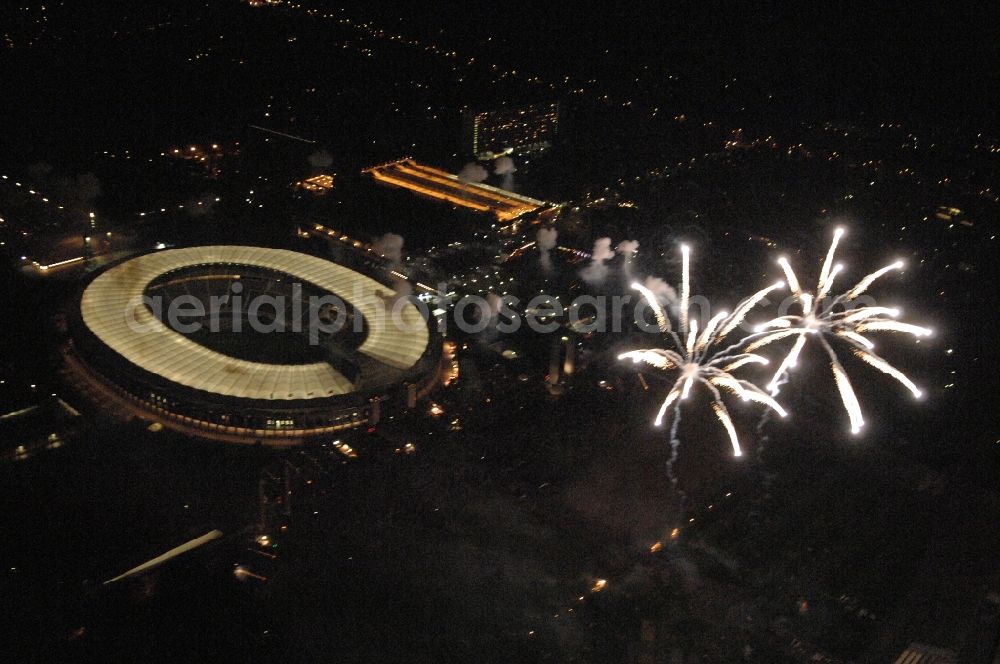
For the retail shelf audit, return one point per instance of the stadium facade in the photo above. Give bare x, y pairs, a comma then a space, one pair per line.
218, 377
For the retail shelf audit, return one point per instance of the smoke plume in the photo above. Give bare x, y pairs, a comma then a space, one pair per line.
472, 173
390, 246
627, 248
321, 160
402, 287
504, 167
597, 270
493, 302
546, 242
663, 291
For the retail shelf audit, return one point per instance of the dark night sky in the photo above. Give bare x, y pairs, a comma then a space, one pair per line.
818, 60
903, 61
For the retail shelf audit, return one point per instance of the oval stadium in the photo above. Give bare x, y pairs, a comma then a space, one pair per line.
248, 344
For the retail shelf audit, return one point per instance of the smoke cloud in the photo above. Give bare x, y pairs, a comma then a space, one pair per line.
627, 248
546, 242
320, 160
602, 250
504, 166
493, 301
597, 270
390, 245
402, 287
546, 238
663, 291
472, 172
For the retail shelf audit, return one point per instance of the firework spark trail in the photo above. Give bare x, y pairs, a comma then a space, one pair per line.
692, 360
680, 494
675, 443
741, 311
821, 322
790, 361
765, 417
661, 317
685, 285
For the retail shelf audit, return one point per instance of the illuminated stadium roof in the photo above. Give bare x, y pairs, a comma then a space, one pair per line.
105, 307
441, 185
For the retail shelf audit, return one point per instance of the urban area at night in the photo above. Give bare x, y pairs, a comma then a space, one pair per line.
499, 333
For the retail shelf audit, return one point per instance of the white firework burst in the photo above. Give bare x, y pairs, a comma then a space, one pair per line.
825, 318
695, 359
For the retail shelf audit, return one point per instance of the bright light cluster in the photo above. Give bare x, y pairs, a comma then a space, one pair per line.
696, 358
825, 318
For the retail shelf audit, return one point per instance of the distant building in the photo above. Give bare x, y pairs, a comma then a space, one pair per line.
952, 215
524, 130
436, 184
317, 184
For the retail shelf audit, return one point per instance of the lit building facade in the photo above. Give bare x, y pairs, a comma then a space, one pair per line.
440, 185
520, 131
140, 365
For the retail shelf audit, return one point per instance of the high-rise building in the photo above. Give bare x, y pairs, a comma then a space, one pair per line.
519, 131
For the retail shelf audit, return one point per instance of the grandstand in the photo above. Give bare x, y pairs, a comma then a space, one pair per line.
300, 375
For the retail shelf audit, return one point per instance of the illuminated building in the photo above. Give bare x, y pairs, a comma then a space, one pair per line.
279, 390
440, 185
952, 215
317, 184
519, 131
